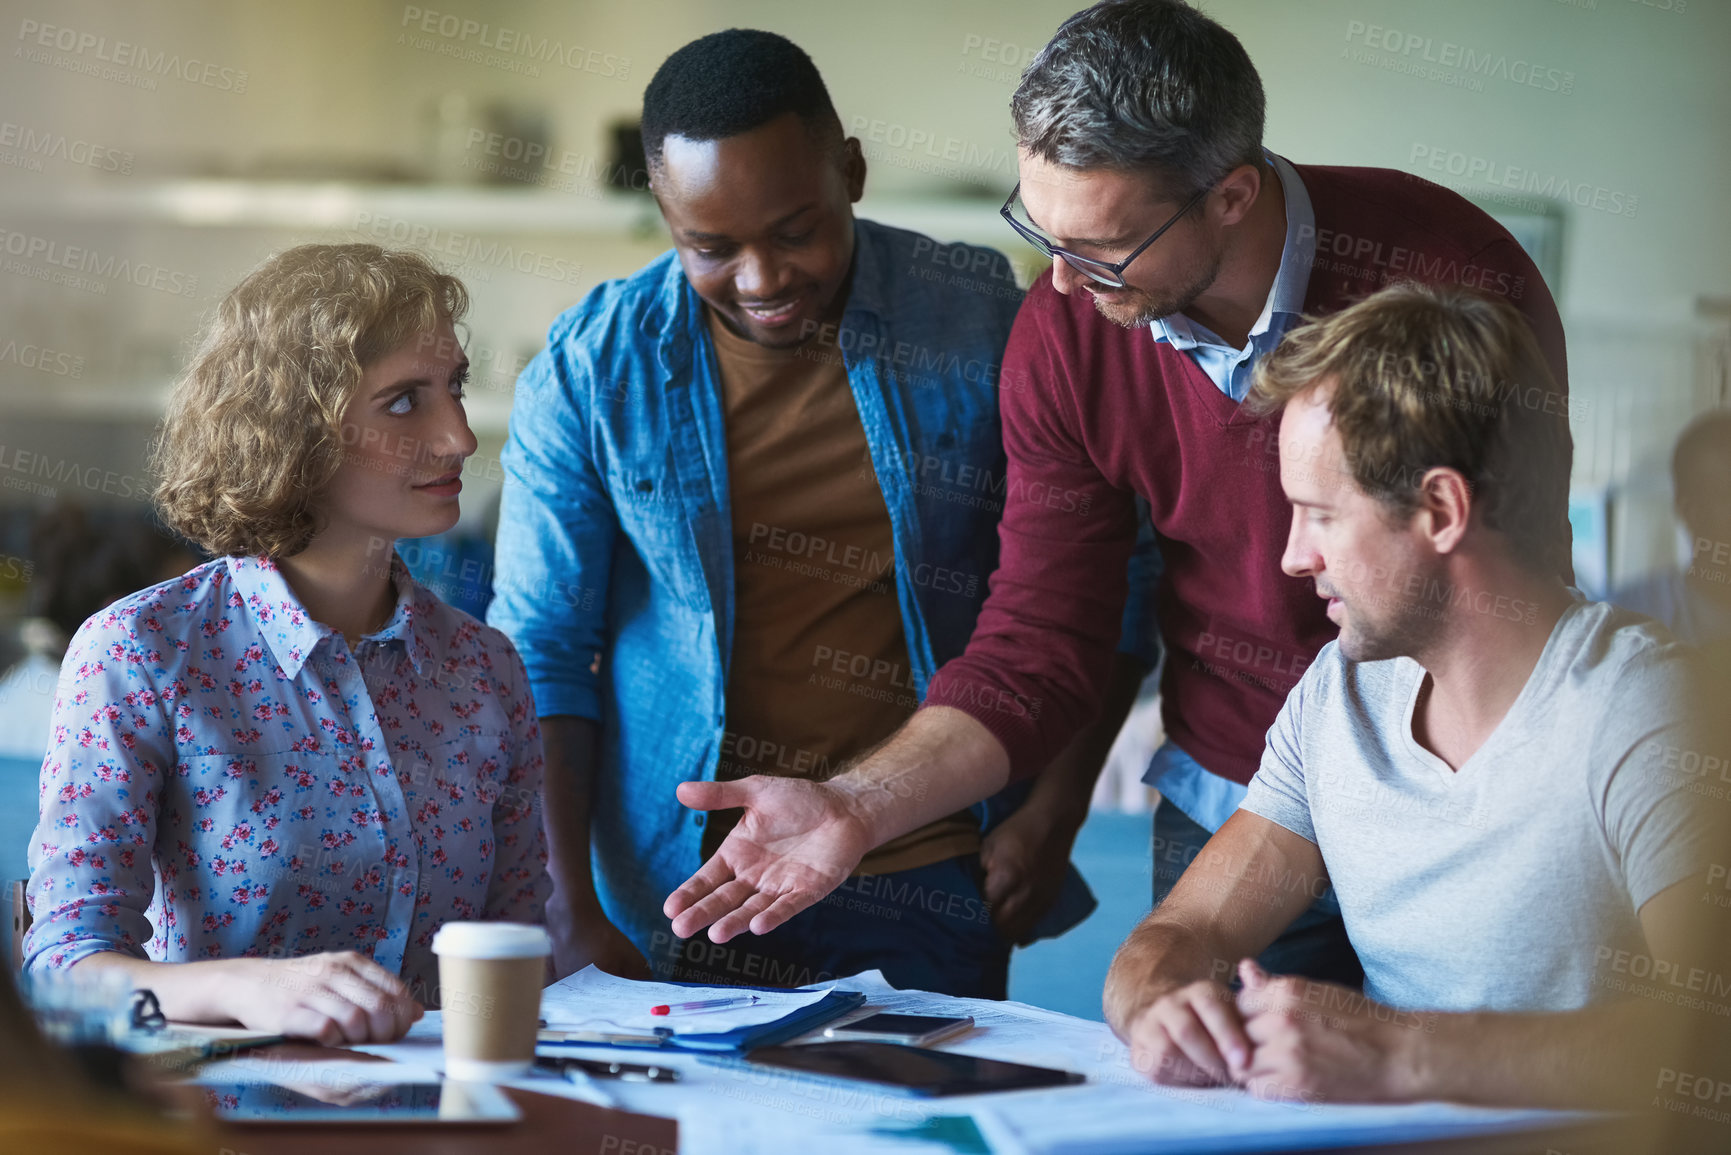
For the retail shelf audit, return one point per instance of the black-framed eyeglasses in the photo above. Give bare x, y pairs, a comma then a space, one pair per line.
1103, 272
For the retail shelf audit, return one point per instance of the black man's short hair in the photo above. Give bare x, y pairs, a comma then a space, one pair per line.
731, 82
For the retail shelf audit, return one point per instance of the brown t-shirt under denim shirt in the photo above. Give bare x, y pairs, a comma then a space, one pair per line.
820, 671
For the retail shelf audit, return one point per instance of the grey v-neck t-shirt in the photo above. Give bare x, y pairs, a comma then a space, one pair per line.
1513, 883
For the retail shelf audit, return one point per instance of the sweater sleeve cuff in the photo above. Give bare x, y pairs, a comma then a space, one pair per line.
1011, 719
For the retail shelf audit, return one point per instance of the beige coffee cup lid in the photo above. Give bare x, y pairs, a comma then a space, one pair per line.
492, 940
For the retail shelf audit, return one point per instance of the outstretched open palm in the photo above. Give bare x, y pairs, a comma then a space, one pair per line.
797, 841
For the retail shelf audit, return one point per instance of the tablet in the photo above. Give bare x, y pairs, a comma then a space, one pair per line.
911, 1070
394, 1103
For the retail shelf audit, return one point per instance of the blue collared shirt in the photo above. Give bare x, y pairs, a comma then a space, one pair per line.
1230, 368
1209, 799
614, 570
225, 777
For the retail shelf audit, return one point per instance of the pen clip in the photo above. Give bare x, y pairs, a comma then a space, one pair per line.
608, 1069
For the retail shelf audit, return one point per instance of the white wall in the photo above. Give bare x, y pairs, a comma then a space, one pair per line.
349, 86
1646, 117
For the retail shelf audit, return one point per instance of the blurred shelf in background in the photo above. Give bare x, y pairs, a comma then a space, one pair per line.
143, 402
342, 205
400, 208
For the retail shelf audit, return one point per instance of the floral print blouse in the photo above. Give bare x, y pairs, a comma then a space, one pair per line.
225, 777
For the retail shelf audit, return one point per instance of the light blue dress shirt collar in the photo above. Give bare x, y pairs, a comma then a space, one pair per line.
293, 635
1230, 368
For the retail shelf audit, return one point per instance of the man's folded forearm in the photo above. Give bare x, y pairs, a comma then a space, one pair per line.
1604, 1057
1160, 956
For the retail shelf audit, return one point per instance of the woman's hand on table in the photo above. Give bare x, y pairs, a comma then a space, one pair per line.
334, 998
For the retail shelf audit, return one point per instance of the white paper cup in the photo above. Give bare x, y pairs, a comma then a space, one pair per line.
490, 977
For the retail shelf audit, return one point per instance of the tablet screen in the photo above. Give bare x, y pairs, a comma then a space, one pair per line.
914, 1069
359, 1103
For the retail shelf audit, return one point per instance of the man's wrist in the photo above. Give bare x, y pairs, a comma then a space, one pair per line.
869, 799
577, 911
573, 885
1416, 1068
1156, 960
1066, 816
1053, 836
1130, 989
1427, 1069
1059, 801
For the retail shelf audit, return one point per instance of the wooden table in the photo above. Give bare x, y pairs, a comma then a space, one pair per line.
553, 1123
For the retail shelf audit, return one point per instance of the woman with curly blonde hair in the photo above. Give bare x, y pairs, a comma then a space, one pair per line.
271, 779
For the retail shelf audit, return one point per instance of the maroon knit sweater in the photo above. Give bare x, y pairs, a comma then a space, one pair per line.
1094, 415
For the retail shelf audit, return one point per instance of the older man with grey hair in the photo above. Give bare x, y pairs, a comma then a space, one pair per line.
1182, 252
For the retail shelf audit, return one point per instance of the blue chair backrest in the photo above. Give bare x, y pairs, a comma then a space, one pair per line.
18, 812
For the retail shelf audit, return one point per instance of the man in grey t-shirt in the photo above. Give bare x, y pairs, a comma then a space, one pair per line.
1511, 790
1505, 881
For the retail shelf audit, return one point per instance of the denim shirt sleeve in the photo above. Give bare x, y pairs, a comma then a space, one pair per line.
557, 530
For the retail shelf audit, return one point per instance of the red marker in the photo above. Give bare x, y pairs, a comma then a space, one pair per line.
705, 1005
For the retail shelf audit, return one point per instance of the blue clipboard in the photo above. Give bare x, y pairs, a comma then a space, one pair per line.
791, 1025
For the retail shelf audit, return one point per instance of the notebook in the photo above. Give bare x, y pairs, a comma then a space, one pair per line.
593, 1008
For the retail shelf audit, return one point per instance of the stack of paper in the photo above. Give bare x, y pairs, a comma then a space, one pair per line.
593, 1000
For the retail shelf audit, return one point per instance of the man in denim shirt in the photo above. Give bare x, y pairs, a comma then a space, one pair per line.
751, 506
